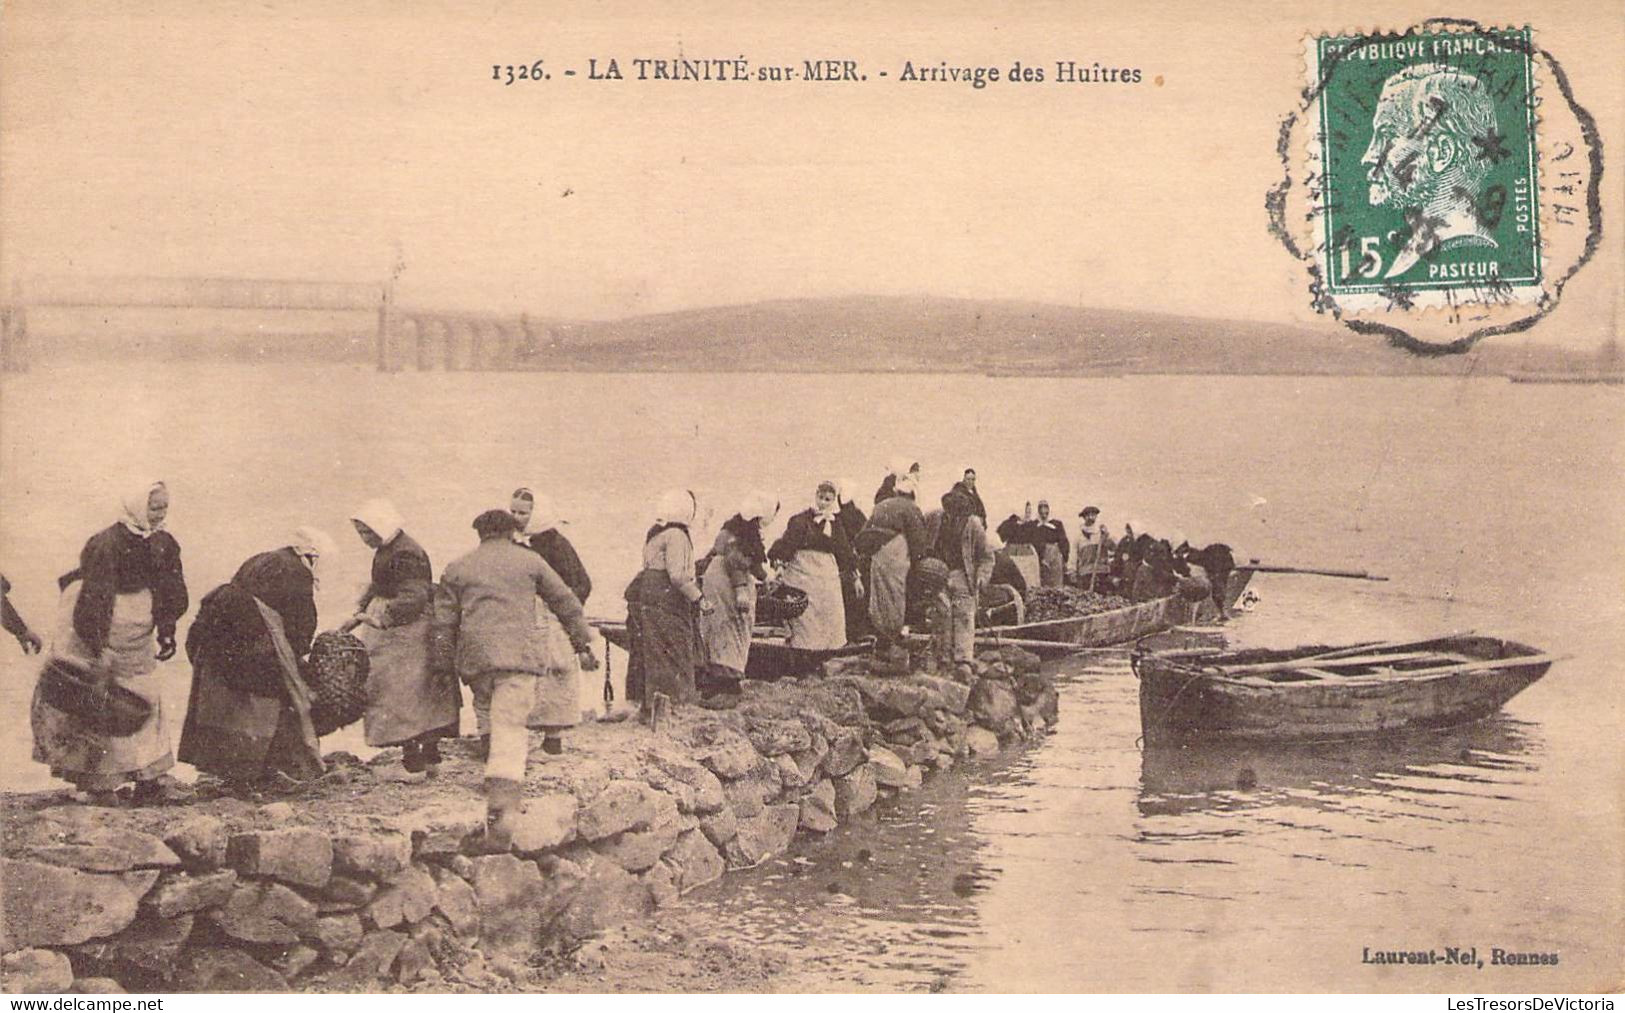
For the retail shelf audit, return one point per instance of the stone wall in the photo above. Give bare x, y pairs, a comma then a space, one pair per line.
369, 880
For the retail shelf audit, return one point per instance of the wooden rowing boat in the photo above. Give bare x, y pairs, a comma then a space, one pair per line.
772, 658
1123, 625
1323, 693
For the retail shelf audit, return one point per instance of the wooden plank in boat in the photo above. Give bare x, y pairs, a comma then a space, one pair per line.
1358, 661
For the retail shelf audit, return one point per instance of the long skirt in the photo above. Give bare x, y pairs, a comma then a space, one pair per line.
405, 700
725, 633
888, 588
1026, 559
822, 626
246, 736
665, 640
1051, 566
857, 606
93, 760
558, 692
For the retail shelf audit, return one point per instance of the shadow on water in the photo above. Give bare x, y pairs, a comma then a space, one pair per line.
1472, 759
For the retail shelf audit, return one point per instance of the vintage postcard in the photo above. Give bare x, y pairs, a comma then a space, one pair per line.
857, 497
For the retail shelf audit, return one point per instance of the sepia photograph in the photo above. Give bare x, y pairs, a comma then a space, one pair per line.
879, 498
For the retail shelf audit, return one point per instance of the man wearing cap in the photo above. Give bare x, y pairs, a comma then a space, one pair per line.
485, 629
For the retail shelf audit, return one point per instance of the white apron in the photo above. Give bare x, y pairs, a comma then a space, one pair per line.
822, 627
92, 760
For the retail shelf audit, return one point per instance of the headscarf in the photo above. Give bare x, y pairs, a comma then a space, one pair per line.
133, 509
759, 506
312, 545
821, 517
544, 516
381, 516
906, 486
901, 466
675, 506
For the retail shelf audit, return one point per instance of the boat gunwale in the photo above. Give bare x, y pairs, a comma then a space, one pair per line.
1171, 667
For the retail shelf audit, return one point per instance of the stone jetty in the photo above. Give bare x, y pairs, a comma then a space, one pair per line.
368, 880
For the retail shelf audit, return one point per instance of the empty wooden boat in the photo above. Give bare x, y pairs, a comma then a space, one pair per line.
1318, 693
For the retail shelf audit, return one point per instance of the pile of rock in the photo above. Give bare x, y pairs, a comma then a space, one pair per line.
301, 894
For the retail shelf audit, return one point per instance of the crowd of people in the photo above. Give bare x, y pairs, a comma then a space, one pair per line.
507, 620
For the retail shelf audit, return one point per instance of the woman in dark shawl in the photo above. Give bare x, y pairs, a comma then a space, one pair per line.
661, 607
248, 718
408, 705
128, 591
729, 577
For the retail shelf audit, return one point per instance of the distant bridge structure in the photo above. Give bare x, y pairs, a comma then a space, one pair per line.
404, 339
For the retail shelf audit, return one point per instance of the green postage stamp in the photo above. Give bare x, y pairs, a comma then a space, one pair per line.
1440, 181
1428, 164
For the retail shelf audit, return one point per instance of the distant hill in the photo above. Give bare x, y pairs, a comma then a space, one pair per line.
875, 333
851, 334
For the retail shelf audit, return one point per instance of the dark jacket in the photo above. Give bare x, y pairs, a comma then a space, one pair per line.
803, 532
229, 637
402, 575
852, 519
557, 551
118, 561
1052, 532
282, 581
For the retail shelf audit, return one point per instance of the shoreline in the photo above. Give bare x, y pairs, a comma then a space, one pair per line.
369, 878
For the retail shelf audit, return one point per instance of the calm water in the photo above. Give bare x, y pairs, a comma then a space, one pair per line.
1084, 863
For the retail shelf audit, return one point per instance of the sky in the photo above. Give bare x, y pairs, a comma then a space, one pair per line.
350, 141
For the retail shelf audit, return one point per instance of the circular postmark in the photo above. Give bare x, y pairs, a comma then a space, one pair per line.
1441, 183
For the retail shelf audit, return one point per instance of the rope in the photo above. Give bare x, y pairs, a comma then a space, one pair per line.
609, 687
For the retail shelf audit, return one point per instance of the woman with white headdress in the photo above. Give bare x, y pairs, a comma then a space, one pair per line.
812, 554
900, 468
728, 579
558, 693
661, 603
407, 704
894, 540
248, 717
127, 588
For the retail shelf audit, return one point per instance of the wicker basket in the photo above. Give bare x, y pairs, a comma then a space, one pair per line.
336, 673
777, 603
102, 705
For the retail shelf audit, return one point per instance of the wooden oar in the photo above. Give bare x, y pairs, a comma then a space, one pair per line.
1313, 571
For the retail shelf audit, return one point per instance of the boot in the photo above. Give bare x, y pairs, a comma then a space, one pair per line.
502, 796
